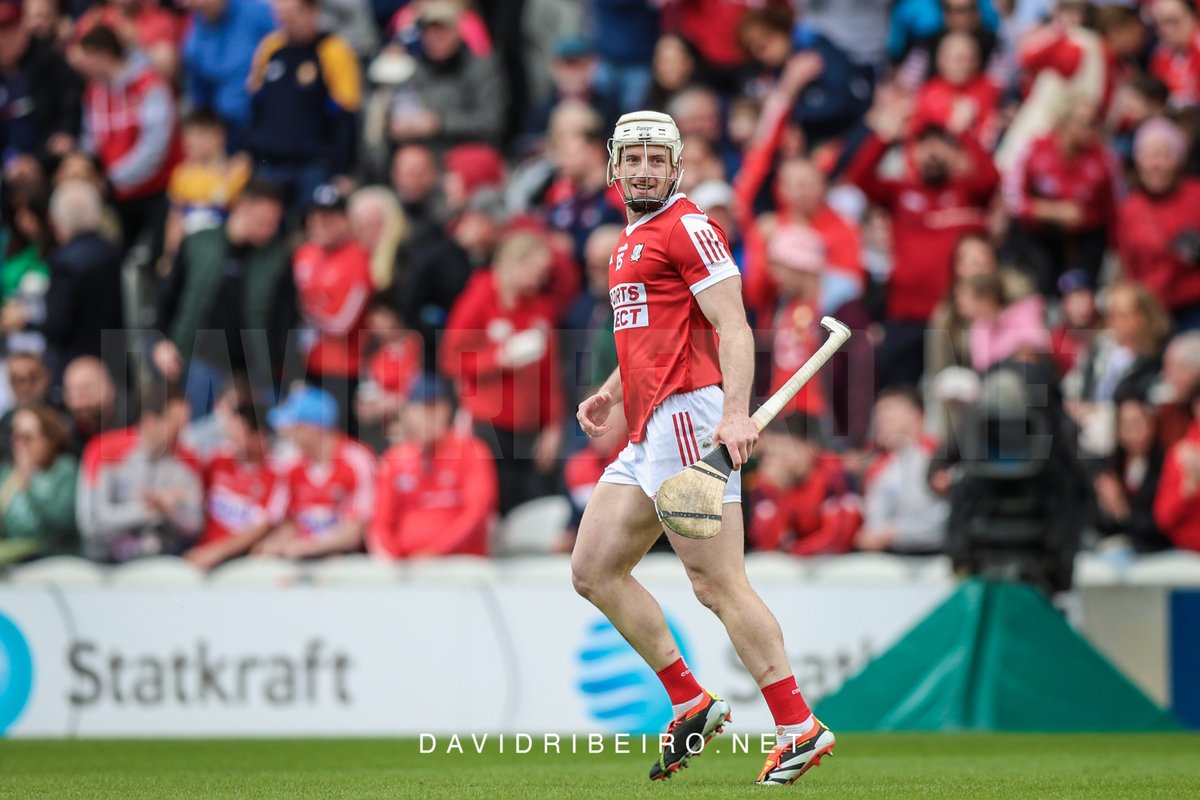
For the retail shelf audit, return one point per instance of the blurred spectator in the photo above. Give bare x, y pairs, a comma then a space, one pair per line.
37, 488
697, 112
207, 435
467, 170
1176, 60
801, 500
709, 26
1179, 379
582, 201
404, 27
501, 349
1158, 231
436, 492
1075, 335
83, 313
917, 24
92, 401
85, 167
1125, 491
141, 25
305, 90
942, 196
574, 72
1001, 329
673, 69
228, 304
582, 471
859, 28
416, 178
217, 54
329, 491
838, 95
48, 22
959, 95
24, 273
393, 367
139, 494
40, 96
204, 184
624, 36
351, 20
380, 227
243, 494
1177, 505
130, 122
901, 513
454, 96
333, 283
29, 381
1125, 356
1062, 196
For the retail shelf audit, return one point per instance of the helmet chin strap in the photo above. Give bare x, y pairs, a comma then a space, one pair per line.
643, 205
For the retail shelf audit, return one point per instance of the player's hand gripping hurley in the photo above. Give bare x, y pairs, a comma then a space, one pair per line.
689, 502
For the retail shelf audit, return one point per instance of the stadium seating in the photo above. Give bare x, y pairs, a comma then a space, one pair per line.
861, 568
64, 572
452, 571
355, 570
532, 528
257, 573
776, 568
536, 570
159, 572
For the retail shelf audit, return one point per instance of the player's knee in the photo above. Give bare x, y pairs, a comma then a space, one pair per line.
586, 581
708, 592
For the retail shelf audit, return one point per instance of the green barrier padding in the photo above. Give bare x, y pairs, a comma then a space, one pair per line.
994, 657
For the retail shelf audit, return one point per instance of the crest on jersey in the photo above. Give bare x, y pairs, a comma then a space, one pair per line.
637, 252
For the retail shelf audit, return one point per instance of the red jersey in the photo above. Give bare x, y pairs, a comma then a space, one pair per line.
938, 102
320, 497
795, 338
1147, 227
665, 344
1042, 172
434, 504
818, 516
1177, 513
334, 287
239, 494
1179, 70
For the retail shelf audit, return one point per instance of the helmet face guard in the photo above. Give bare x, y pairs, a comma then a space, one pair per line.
643, 130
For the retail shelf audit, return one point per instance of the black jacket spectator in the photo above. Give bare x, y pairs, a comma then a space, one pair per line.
40, 101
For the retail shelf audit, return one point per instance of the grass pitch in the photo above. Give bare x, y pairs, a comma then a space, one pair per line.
971, 766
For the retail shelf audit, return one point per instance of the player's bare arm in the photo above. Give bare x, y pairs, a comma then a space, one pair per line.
722, 305
593, 411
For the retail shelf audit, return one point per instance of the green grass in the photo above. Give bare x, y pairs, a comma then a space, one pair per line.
974, 767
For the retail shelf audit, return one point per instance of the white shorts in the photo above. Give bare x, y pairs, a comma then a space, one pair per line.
680, 433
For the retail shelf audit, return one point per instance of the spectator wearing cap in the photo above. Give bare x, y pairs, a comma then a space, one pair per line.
1158, 228
501, 349
329, 491
243, 491
1072, 339
217, 54
467, 170
454, 96
624, 37
574, 72
131, 123
1176, 60
1062, 193
306, 89
139, 493
40, 96
802, 499
943, 195
436, 492
333, 283
228, 303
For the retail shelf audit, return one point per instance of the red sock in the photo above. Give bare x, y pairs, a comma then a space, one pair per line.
786, 703
678, 681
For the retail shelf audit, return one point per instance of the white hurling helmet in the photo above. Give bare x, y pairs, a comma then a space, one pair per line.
642, 129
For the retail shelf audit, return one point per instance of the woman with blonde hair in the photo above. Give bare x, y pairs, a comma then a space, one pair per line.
380, 226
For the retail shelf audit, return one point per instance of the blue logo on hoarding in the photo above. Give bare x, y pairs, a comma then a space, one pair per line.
621, 691
16, 672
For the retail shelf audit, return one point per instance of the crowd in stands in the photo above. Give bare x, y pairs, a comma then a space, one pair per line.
304, 277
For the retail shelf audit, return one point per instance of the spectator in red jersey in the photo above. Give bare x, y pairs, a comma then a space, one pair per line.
131, 123
949, 183
1061, 193
501, 349
436, 492
1177, 505
959, 96
329, 490
333, 285
901, 513
1176, 60
802, 503
1158, 231
140, 24
1179, 379
139, 493
392, 368
243, 494
710, 26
